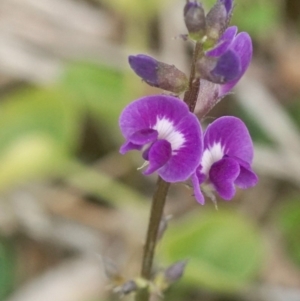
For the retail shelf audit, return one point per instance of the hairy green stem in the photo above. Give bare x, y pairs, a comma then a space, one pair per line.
160, 195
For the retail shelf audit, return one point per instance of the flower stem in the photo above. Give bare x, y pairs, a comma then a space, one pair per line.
191, 95
158, 203
162, 187
157, 208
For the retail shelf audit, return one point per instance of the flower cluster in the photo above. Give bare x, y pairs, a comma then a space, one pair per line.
169, 135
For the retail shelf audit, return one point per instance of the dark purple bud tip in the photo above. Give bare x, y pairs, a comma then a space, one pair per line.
227, 69
194, 18
216, 21
190, 5
175, 271
228, 5
158, 74
128, 287
145, 67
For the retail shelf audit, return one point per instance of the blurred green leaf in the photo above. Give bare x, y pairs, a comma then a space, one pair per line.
6, 268
38, 128
136, 8
224, 250
99, 89
289, 224
258, 17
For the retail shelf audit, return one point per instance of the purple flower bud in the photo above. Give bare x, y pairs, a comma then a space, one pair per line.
228, 5
224, 69
194, 18
128, 287
158, 74
239, 47
145, 67
175, 271
217, 20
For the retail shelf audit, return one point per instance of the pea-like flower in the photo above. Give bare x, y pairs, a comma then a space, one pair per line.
226, 160
167, 133
222, 67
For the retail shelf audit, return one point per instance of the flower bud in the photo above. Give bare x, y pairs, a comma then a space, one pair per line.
217, 20
220, 70
128, 287
175, 271
158, 74
194, 18
228, 5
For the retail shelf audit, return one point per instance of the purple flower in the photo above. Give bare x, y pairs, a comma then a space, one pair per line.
166, 132
226, 159
222, 67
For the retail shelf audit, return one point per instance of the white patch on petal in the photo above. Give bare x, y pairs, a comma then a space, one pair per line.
166, 130
211, 155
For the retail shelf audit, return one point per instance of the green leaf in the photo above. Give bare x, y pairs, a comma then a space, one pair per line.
136, 8
38, 128
99, 89
224, 250
257, 17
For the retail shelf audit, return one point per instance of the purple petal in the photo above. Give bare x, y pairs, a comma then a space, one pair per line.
222, 175
201, 177
197, 191
144, 136
186, 159
233, 136
228, 67
242, 45
159, 154
128, 146
145, 67
247, 178
224, 42
143, 113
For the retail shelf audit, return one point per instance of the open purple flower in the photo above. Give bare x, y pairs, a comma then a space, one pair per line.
167, 133
226, 159
222, 67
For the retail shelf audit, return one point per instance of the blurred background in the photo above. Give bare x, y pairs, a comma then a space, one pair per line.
69, 201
